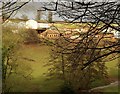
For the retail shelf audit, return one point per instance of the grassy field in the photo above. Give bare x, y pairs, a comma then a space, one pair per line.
111, 89
113, 69
33, 58
39, 56
113, 76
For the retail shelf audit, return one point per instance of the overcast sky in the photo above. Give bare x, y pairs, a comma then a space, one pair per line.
30, 10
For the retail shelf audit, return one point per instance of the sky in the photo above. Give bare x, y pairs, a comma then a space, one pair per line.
30, 10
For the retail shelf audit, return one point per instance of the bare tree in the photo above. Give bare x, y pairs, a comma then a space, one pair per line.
82, 58
99, 18
11, 65
10, 8
66, 65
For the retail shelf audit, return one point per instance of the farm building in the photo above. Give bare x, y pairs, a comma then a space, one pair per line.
39, 27
50, 34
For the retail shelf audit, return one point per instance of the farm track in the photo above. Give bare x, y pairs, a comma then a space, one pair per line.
116, 83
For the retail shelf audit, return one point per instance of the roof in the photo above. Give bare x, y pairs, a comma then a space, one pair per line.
43, 25
52, 31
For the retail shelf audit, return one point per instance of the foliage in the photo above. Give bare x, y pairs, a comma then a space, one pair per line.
67, 89
67, 65
9, 8
99, 18
10, 56
31, 37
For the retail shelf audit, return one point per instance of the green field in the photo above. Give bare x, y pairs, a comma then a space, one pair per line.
111, 89
32, 60
113, 76
113, 69
40, 56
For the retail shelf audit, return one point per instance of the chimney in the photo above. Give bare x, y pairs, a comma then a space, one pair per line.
49, 16
38, 14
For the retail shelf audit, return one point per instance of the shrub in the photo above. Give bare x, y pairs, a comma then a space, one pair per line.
31, 37
67, 89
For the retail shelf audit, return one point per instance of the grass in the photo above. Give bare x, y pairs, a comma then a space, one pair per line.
40, 55
113, 76
111, 89
32, 58
66, 25
113, 69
